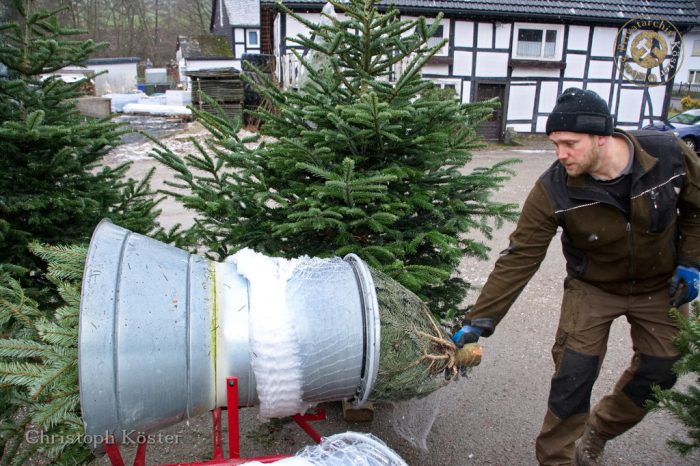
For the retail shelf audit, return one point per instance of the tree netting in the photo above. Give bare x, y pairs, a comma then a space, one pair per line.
416, 355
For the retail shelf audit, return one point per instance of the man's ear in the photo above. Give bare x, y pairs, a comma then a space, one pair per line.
602, 140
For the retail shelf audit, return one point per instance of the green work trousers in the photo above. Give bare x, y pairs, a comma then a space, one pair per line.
580, 345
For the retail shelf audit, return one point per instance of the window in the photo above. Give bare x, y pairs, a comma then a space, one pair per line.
437, 37
454, 84
537, 42
694, 77
696, 48
252, 38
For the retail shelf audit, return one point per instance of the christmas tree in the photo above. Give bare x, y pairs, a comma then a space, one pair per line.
685, 405
39, 366
360, 159
52, 188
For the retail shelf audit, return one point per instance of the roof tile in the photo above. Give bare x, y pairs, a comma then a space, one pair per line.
678, 12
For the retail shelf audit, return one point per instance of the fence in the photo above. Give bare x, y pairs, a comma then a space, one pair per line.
684, 89
293, 71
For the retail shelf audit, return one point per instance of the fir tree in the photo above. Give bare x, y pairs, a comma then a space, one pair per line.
52, 188
685, 406
39, 366
361, 160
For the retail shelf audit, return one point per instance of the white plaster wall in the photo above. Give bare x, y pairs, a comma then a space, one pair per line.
294, 27
602, 89
568, 84
491, 64
578, 38
462, 65
689, 62
442, 70
603, 41
541, 125
548, 96
521, 127
238, 35
535, 73
276, 27
600, 69
521, 102
484, 37
630, 105
657, 94
466, 91
502, 31
575, 65
464, 34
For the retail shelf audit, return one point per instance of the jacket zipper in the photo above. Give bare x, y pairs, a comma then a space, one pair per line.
630, 241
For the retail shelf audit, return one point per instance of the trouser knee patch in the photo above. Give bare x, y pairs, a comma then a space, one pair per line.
572, 384
651, 371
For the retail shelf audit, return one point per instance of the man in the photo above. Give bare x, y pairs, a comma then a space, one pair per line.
628, 205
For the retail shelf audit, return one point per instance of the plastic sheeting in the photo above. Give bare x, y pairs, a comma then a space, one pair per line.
346, 449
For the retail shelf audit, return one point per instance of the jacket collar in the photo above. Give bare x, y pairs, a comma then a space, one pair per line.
643, 162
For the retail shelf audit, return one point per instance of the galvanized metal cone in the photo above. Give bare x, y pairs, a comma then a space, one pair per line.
160, 330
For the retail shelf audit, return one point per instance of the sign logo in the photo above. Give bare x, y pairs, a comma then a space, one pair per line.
648, 51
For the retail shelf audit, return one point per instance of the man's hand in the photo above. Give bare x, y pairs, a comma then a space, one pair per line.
684, 285
467, 334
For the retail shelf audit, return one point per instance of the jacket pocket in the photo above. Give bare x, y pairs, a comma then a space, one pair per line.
662, 207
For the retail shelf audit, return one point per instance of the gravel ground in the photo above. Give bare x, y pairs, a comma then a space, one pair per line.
491, 418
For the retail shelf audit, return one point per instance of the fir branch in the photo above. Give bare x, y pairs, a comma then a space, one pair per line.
684, 406
21, 374
56, 333
67, 262
14, 303
45, 386
22, 349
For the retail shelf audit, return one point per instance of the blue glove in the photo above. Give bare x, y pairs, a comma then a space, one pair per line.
467, 334
684, 285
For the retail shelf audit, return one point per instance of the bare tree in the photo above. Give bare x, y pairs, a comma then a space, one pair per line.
144, 28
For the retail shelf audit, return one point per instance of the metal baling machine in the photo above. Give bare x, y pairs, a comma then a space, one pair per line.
165, 336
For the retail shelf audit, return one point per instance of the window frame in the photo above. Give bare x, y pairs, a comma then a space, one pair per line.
544, 27
696, 48
437, 37
454, 83
250, 43
694, 76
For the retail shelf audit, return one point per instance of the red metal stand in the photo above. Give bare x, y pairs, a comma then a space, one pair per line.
218, 459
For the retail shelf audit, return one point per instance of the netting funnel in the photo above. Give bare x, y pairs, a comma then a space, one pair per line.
160, 330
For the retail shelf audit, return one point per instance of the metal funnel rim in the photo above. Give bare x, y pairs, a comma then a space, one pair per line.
372, 328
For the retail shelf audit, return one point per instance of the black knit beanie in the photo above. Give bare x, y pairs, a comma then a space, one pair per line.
580, 111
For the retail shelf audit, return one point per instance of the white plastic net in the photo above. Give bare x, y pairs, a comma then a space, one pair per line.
274, 349
345, 449
413, 419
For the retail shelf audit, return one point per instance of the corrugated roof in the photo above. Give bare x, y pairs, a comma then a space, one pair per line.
681, 13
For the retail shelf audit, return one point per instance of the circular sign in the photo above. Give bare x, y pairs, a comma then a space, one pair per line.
648, 51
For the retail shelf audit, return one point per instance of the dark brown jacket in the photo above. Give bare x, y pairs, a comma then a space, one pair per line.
601, 245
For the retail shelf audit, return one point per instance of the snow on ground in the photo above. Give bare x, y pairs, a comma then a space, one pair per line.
180, 143
177, 136
157, 109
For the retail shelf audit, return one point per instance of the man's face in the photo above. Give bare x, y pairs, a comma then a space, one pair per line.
578, 153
